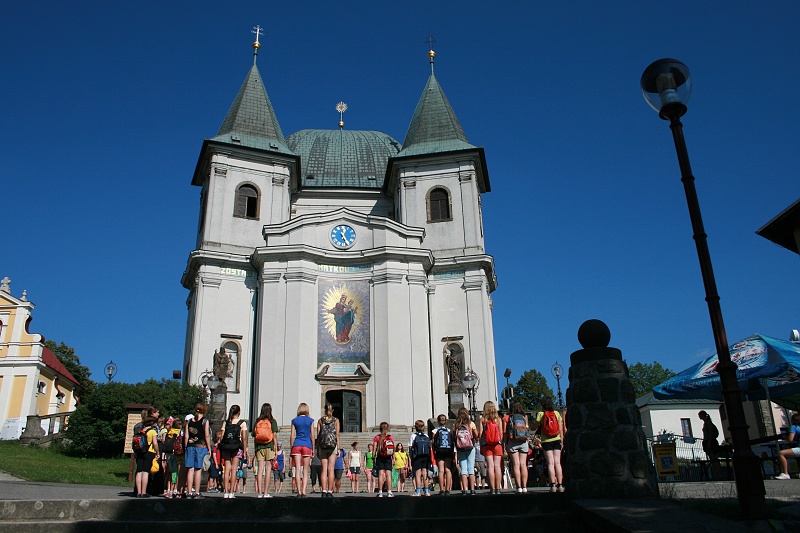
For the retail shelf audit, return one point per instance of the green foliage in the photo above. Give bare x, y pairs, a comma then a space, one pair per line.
67, 356
97, 428
645, 376
530, 389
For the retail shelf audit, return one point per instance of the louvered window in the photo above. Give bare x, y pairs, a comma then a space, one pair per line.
438, 205
246, 202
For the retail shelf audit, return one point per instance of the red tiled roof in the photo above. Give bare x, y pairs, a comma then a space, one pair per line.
52, 362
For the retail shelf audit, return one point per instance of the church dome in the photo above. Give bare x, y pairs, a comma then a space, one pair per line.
343, 158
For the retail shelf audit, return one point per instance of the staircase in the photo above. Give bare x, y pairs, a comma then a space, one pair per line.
528, 512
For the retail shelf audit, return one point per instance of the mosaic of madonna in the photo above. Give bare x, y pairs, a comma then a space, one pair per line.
343, 326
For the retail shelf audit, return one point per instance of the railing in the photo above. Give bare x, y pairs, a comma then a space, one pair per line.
36, 434
692, 462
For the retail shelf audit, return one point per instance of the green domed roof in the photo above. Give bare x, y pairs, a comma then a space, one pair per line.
343, 158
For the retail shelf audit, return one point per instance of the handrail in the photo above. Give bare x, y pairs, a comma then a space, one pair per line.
34, 434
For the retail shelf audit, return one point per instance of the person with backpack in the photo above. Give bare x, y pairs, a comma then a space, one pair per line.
196, 444
328, 447
232, 448
171, 462
516, 434
443, 455
264, 433
301, 443
491, 437
145, 446
552, 437
384, 444
466, 434
419, 446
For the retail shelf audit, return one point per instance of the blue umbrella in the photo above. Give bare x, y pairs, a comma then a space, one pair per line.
763, 363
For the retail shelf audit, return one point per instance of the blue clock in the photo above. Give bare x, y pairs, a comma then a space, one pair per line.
343, 236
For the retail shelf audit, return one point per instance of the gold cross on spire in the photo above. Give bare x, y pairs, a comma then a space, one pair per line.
258, 31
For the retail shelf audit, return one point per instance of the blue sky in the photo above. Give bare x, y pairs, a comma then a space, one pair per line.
104, 108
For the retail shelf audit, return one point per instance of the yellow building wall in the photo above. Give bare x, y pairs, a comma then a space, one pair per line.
43, 400
17, 394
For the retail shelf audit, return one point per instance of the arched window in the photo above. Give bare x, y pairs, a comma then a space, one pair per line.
438, 205
246, 202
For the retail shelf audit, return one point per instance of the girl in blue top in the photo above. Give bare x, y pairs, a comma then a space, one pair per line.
301, 442
794, 436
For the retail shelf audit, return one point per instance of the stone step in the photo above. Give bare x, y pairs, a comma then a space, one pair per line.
548, 512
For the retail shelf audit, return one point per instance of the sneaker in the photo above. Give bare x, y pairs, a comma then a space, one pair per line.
427, 493
390, 494
519, 490
380, 495
561, 488
783, 476
472, 493
553, 488
524, 490
463, 493
267, 495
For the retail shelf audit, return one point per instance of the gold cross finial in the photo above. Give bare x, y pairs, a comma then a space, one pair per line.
258, 30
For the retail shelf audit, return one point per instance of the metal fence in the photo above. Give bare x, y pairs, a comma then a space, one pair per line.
692, 462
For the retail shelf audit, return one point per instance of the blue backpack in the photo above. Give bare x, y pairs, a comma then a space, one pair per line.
422, 445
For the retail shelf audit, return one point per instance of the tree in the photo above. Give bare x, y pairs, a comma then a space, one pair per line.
72, 362
97, 428
530, 389
645, 376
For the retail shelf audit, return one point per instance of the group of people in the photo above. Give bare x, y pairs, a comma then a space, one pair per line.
178, 450
182, 448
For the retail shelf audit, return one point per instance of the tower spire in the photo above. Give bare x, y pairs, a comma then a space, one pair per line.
258, 30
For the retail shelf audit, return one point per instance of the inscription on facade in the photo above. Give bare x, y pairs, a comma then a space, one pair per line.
233, 272
450, 274
339, 268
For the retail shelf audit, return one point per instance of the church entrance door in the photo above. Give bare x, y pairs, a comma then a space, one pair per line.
347, 408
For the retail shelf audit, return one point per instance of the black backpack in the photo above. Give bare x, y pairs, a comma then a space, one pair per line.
232, 438
327, 434
443, 439
169, 444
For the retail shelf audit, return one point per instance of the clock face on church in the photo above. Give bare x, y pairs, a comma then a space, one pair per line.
343, 236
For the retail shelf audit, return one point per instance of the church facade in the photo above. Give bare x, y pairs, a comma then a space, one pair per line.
341, 266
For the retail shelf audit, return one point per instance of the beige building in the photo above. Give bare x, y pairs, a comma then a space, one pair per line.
32, 379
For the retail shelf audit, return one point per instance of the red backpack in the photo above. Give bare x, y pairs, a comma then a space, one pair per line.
387, 448
550, 425
491, 433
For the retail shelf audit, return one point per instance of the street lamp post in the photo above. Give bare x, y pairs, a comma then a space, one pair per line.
666, 85
557, 371
111, 370
471, 382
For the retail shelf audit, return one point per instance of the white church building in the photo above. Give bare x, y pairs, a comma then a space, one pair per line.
341, 266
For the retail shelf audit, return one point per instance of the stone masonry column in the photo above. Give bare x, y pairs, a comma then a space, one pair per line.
606, 451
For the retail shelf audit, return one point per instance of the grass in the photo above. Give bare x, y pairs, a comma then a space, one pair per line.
49, 465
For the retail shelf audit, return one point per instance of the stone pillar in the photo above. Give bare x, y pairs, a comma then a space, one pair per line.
606, 450
33, 433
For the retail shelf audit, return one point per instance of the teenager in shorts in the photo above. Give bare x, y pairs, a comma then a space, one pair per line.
443, 455
278, 468
420, 461
384, 459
